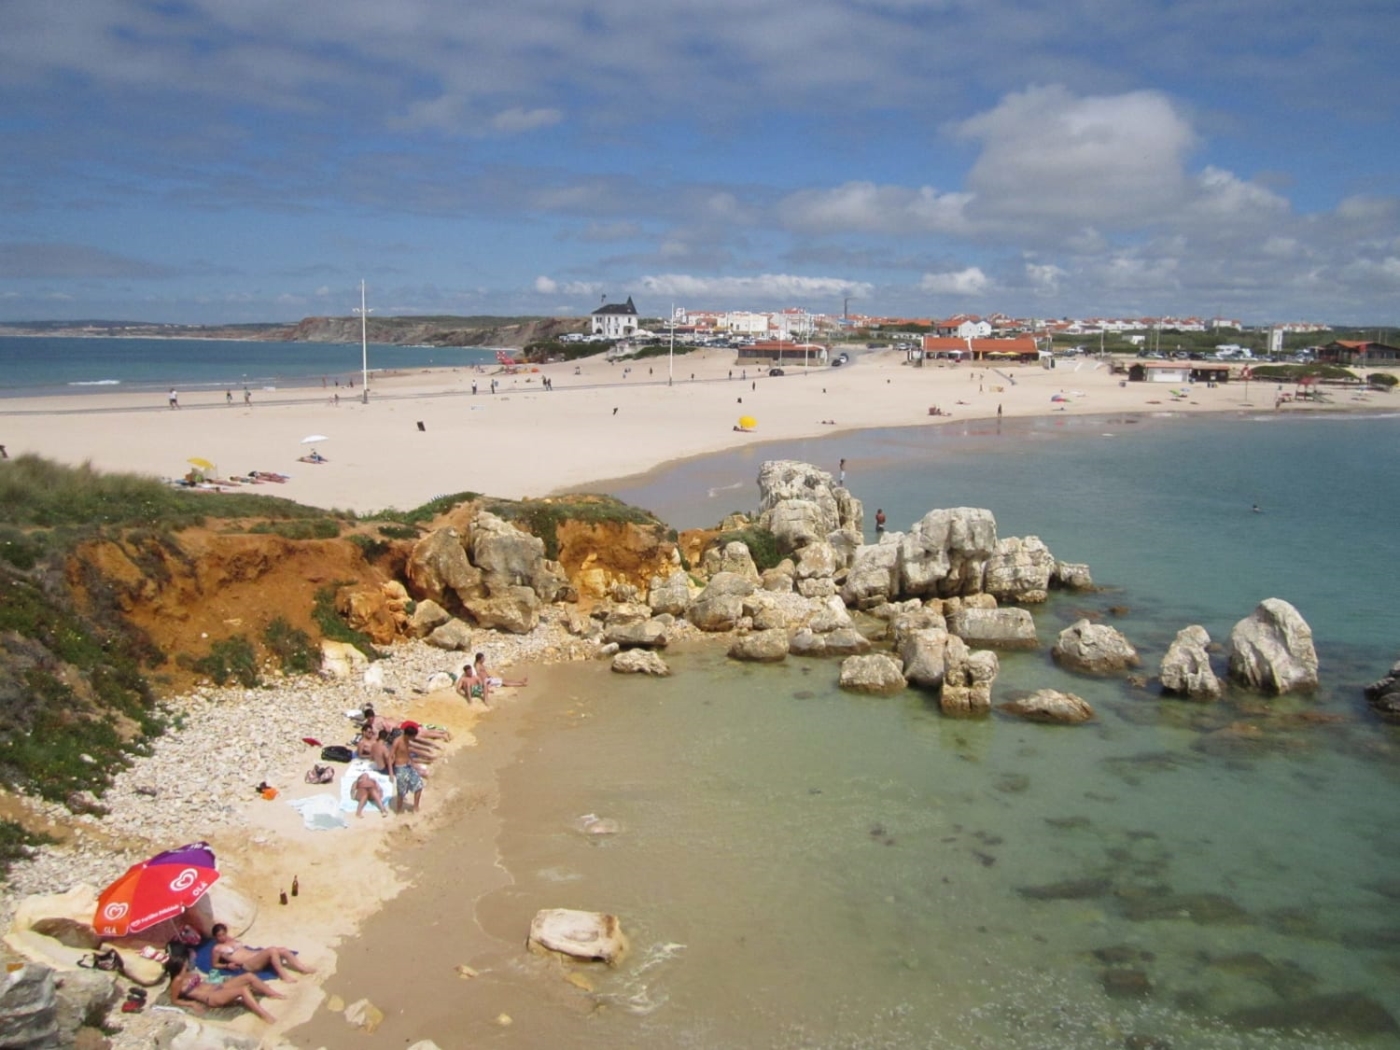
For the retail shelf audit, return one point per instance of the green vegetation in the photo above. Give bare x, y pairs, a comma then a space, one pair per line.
336, 629
542, 350
542, 518
291, 647
300, 529
230, 659
1382, 380
762, 545
370, 547
15, 845
427, 512
399, 532
1293, 373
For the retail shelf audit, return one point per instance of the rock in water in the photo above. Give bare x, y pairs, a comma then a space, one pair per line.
1094, 648
1050, 705
1186, 669
1272, 649
581, 934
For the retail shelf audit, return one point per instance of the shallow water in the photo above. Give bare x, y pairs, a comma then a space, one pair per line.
800, 867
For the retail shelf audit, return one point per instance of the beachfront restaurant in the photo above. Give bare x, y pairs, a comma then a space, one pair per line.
1161, 372
782, 353
1021, 349
1357, 352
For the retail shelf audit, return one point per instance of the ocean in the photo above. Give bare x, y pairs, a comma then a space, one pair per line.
45, 366
798, 867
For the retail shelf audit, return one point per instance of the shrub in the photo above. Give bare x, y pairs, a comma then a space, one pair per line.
230, 659
291, 647
370, 547
21, 549
1382, 380
762, 545
16, 842
399, 532
301, 529
543, 517
427, 512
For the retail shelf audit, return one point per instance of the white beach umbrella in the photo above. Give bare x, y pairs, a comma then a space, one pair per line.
314, 439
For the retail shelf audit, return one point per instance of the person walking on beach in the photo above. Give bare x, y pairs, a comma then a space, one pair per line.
247, 396
174, 398
228, 397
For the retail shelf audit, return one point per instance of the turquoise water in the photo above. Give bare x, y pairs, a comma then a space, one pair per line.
802, 868
50, 365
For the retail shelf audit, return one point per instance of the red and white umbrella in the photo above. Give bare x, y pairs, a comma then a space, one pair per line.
155, 890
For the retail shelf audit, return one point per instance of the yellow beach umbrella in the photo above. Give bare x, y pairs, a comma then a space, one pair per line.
747, 422
202, 464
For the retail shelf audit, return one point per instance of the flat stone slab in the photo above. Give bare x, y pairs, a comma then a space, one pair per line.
581, 934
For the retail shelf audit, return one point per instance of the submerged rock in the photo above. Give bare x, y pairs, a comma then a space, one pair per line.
1186, 668
1051, 706
1094, 648
1345, 1013
1205, 909
581, 934
1069, 890
640, 661
875, 673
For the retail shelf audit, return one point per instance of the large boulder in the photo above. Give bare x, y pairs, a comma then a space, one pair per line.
998, 628
734, 557
454, 636
1019, 570
1072, 576
438, 568
1050, 705
873, 577
923, 652
516, 610
580, 934
341, 660
761, 646
29, 1009
946, 553
874, 673
1272, 649
669, 594
427, 617
369, 610
506, 556
967, 679
844, 641
1185, 669
644, 634
640, 661
800, 504
1094, 648
816, 560
719, 613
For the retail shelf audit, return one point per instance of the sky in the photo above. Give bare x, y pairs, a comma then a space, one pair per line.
217, 161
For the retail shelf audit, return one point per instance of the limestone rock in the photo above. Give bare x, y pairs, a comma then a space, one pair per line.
762, 646
29, 1009
1094, 648
967, 679
647, 634
923, 651
816, 560
506, 556
719, 613
776, 580
617, 614
998, 628
728, 584
733, 558
1186, 667
364, 1015
946, 553
800, 504
190, 1033
1019, 569
438, 568
515, 611
453, 635
1272, 649
427, 616
1050, 705
640, 661
875, 673
368, 610
580, 934
873, 577
820, 587
669, 594
1073, 576
342, 660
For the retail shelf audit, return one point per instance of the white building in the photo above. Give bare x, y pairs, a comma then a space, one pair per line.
615, 320
742, 322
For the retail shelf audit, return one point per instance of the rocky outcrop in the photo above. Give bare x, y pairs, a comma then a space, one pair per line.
1050, 705
874, 574
640, 661
1272, 649
516, 611
1186, 670
721, 603
1094, 648
454, 636
29, 1009
438, 568
1384, 695
1072, 576
967, 679
768, 646
844, 641
733, 558
998, 628
1020, 569
427, 617
580, 934
946, 553
875, 673
669, 594
801, 505
509, 557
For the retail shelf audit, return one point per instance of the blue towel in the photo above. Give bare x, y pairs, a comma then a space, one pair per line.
204, 959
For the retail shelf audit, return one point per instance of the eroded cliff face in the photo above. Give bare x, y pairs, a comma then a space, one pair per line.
600, 556
185, 591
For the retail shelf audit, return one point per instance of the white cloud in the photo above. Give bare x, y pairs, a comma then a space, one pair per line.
516, 119
546, 285
868, 208
971, 281
1045, 278
768, 287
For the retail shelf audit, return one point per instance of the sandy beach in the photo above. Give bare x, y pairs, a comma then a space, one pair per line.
425, 434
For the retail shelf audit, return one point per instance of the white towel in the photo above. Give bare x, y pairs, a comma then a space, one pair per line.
352, 774
319, 812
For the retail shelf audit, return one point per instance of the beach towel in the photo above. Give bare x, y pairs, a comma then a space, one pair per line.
319, 812
352, 774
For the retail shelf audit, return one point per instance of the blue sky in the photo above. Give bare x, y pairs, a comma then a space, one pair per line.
214, 161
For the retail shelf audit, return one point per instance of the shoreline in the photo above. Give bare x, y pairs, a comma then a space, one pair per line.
267, 845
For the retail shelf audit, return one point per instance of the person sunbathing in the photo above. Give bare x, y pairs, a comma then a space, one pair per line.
189, 988
232, 954
367, 789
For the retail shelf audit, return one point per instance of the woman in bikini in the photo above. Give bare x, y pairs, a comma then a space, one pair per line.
189, 988
232, 954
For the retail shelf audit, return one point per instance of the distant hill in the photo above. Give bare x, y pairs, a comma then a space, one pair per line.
396, 331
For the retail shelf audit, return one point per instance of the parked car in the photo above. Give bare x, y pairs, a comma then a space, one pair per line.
775, 372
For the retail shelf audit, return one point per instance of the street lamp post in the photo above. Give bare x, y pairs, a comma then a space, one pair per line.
671, 362
363, 311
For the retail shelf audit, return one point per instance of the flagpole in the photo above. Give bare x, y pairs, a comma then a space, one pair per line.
671, 366
363, 311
